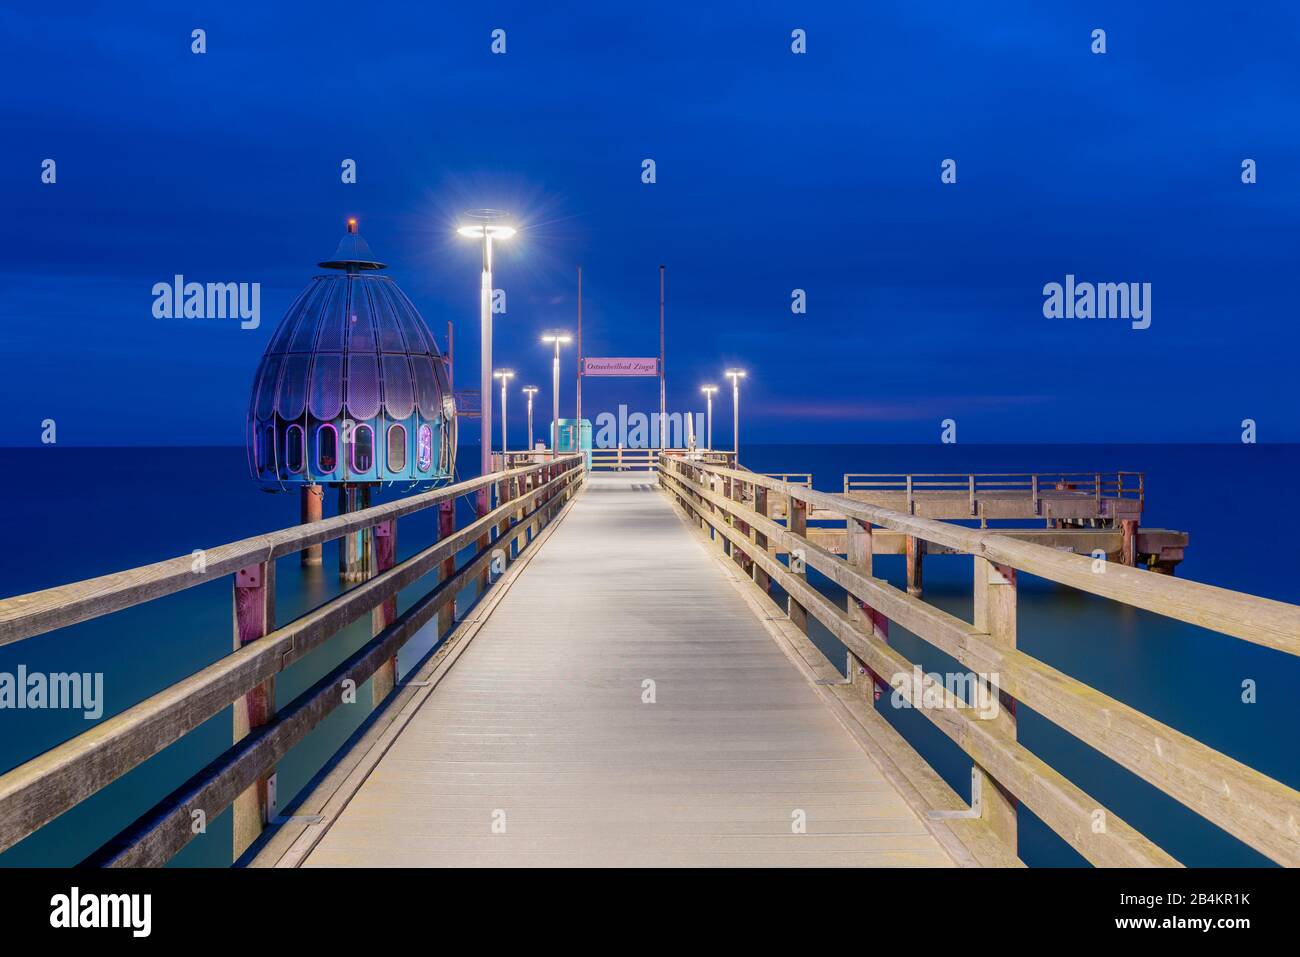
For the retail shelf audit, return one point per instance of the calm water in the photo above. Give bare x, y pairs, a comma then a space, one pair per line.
85, 512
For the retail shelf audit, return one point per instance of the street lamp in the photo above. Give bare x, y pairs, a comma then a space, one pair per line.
530, 391
709, 390
558, 338
486, 225
505, 375
735, 375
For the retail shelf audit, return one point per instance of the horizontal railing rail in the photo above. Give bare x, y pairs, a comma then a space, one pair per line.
48, 785
1122, 485
647, 460
1261, 812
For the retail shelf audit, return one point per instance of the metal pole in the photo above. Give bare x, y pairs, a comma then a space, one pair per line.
555, 401
578, 415
530, 421
735, 415
663, 405
485, 371
504, 380
709, 446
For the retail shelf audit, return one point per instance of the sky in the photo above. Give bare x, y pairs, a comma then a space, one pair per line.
775, 171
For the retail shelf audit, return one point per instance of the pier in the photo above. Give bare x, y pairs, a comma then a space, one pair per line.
636, 683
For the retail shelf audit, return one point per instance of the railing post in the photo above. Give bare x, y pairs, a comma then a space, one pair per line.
737, 553
915, 552
911, 506
971, 480
384, 614
1033, 483
761, 578
254, 603
1128, 550
446, 528
724, 544
995, 616
860, 555
797, 523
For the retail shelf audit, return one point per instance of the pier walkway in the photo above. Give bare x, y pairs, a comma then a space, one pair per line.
624, 706
636, 682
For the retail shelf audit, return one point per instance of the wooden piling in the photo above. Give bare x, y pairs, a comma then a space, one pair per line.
312, 510
1128, 550
254, 614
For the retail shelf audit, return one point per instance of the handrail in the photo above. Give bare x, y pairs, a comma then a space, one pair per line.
1258, 810
46, 786
34, 613
1261, 621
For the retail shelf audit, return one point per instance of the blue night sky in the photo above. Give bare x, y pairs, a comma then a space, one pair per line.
775, 171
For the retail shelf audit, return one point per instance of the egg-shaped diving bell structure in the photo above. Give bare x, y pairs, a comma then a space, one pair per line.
352, 392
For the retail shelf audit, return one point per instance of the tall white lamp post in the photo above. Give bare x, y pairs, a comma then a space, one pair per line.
735, 375
558, 338
530, 391
708, 390
488, 226
505, 375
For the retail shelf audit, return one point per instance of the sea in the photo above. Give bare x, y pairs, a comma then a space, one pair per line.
75, 513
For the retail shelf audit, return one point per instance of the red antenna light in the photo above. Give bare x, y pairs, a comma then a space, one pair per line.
352, 225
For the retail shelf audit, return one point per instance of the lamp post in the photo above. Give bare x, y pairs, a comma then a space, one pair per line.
708, 390
505, 375
486, 225
735, 375
559, 338
530, 391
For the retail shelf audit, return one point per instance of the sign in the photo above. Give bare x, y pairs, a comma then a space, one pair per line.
620, 367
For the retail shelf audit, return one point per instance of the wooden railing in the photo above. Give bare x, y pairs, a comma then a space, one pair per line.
1068, 496
647, 460
36, 792
1261, 812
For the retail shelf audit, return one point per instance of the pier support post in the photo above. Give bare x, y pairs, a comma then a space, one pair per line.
383, 615
1128, 550
354, 548
995, 615
446, 527
797, 523
254, 604
915, 551
312, 509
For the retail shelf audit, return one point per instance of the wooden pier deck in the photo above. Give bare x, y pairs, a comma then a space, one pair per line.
540, 746
637, 685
